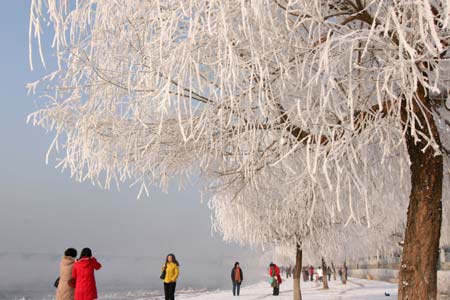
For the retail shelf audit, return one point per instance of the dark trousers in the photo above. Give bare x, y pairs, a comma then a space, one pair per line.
276, 291
312, 275
169, 290
236, 288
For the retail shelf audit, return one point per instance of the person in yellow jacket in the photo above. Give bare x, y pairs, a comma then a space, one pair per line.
170, 271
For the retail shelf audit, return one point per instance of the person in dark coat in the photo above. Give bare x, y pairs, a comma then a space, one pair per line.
305, 274
237, 276
288, 271
83, 274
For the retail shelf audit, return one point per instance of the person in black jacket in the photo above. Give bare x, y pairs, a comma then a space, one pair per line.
237, 276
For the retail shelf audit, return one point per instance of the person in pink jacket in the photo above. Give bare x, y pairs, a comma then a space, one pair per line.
83, 274
65, 288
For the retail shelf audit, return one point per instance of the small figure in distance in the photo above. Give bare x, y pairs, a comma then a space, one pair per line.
65, 288
288, 271
83, 274
311, 272
237, 277
171, 268
305, 274
319, 274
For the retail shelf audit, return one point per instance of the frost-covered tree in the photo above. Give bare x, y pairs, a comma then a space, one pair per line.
145, 90
267, 215
277, 216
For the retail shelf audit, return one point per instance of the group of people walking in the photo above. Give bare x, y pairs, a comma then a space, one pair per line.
315, 274
311, 274
287, 271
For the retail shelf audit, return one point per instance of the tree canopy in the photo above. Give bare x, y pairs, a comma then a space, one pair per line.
341, 94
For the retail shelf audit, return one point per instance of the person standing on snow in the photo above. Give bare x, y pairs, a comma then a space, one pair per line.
274, 273
288, 271
66, 285
319, 274
311, 272
236, 277
83, 275
171, 270
305, 274
329, 273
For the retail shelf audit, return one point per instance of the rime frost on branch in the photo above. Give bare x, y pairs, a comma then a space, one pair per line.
242, 92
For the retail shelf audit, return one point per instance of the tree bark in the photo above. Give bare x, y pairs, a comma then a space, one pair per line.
325, 274
334, 271
418, 270
297, 273
344, 273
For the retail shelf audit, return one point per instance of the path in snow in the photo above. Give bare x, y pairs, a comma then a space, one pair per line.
355, 289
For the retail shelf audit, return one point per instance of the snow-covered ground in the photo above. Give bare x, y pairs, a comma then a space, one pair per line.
355, 289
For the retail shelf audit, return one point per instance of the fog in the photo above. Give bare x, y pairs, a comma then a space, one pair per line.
44, 211
32, 275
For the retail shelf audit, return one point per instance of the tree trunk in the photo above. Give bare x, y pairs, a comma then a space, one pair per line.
344, 273
418, 270
297, 273
334, 271
325, 274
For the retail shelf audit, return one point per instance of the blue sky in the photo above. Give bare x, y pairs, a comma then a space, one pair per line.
44, 211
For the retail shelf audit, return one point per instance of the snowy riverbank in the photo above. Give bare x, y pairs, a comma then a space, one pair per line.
356, 289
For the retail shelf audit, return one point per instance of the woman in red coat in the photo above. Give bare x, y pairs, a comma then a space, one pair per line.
83, 274
274, 271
